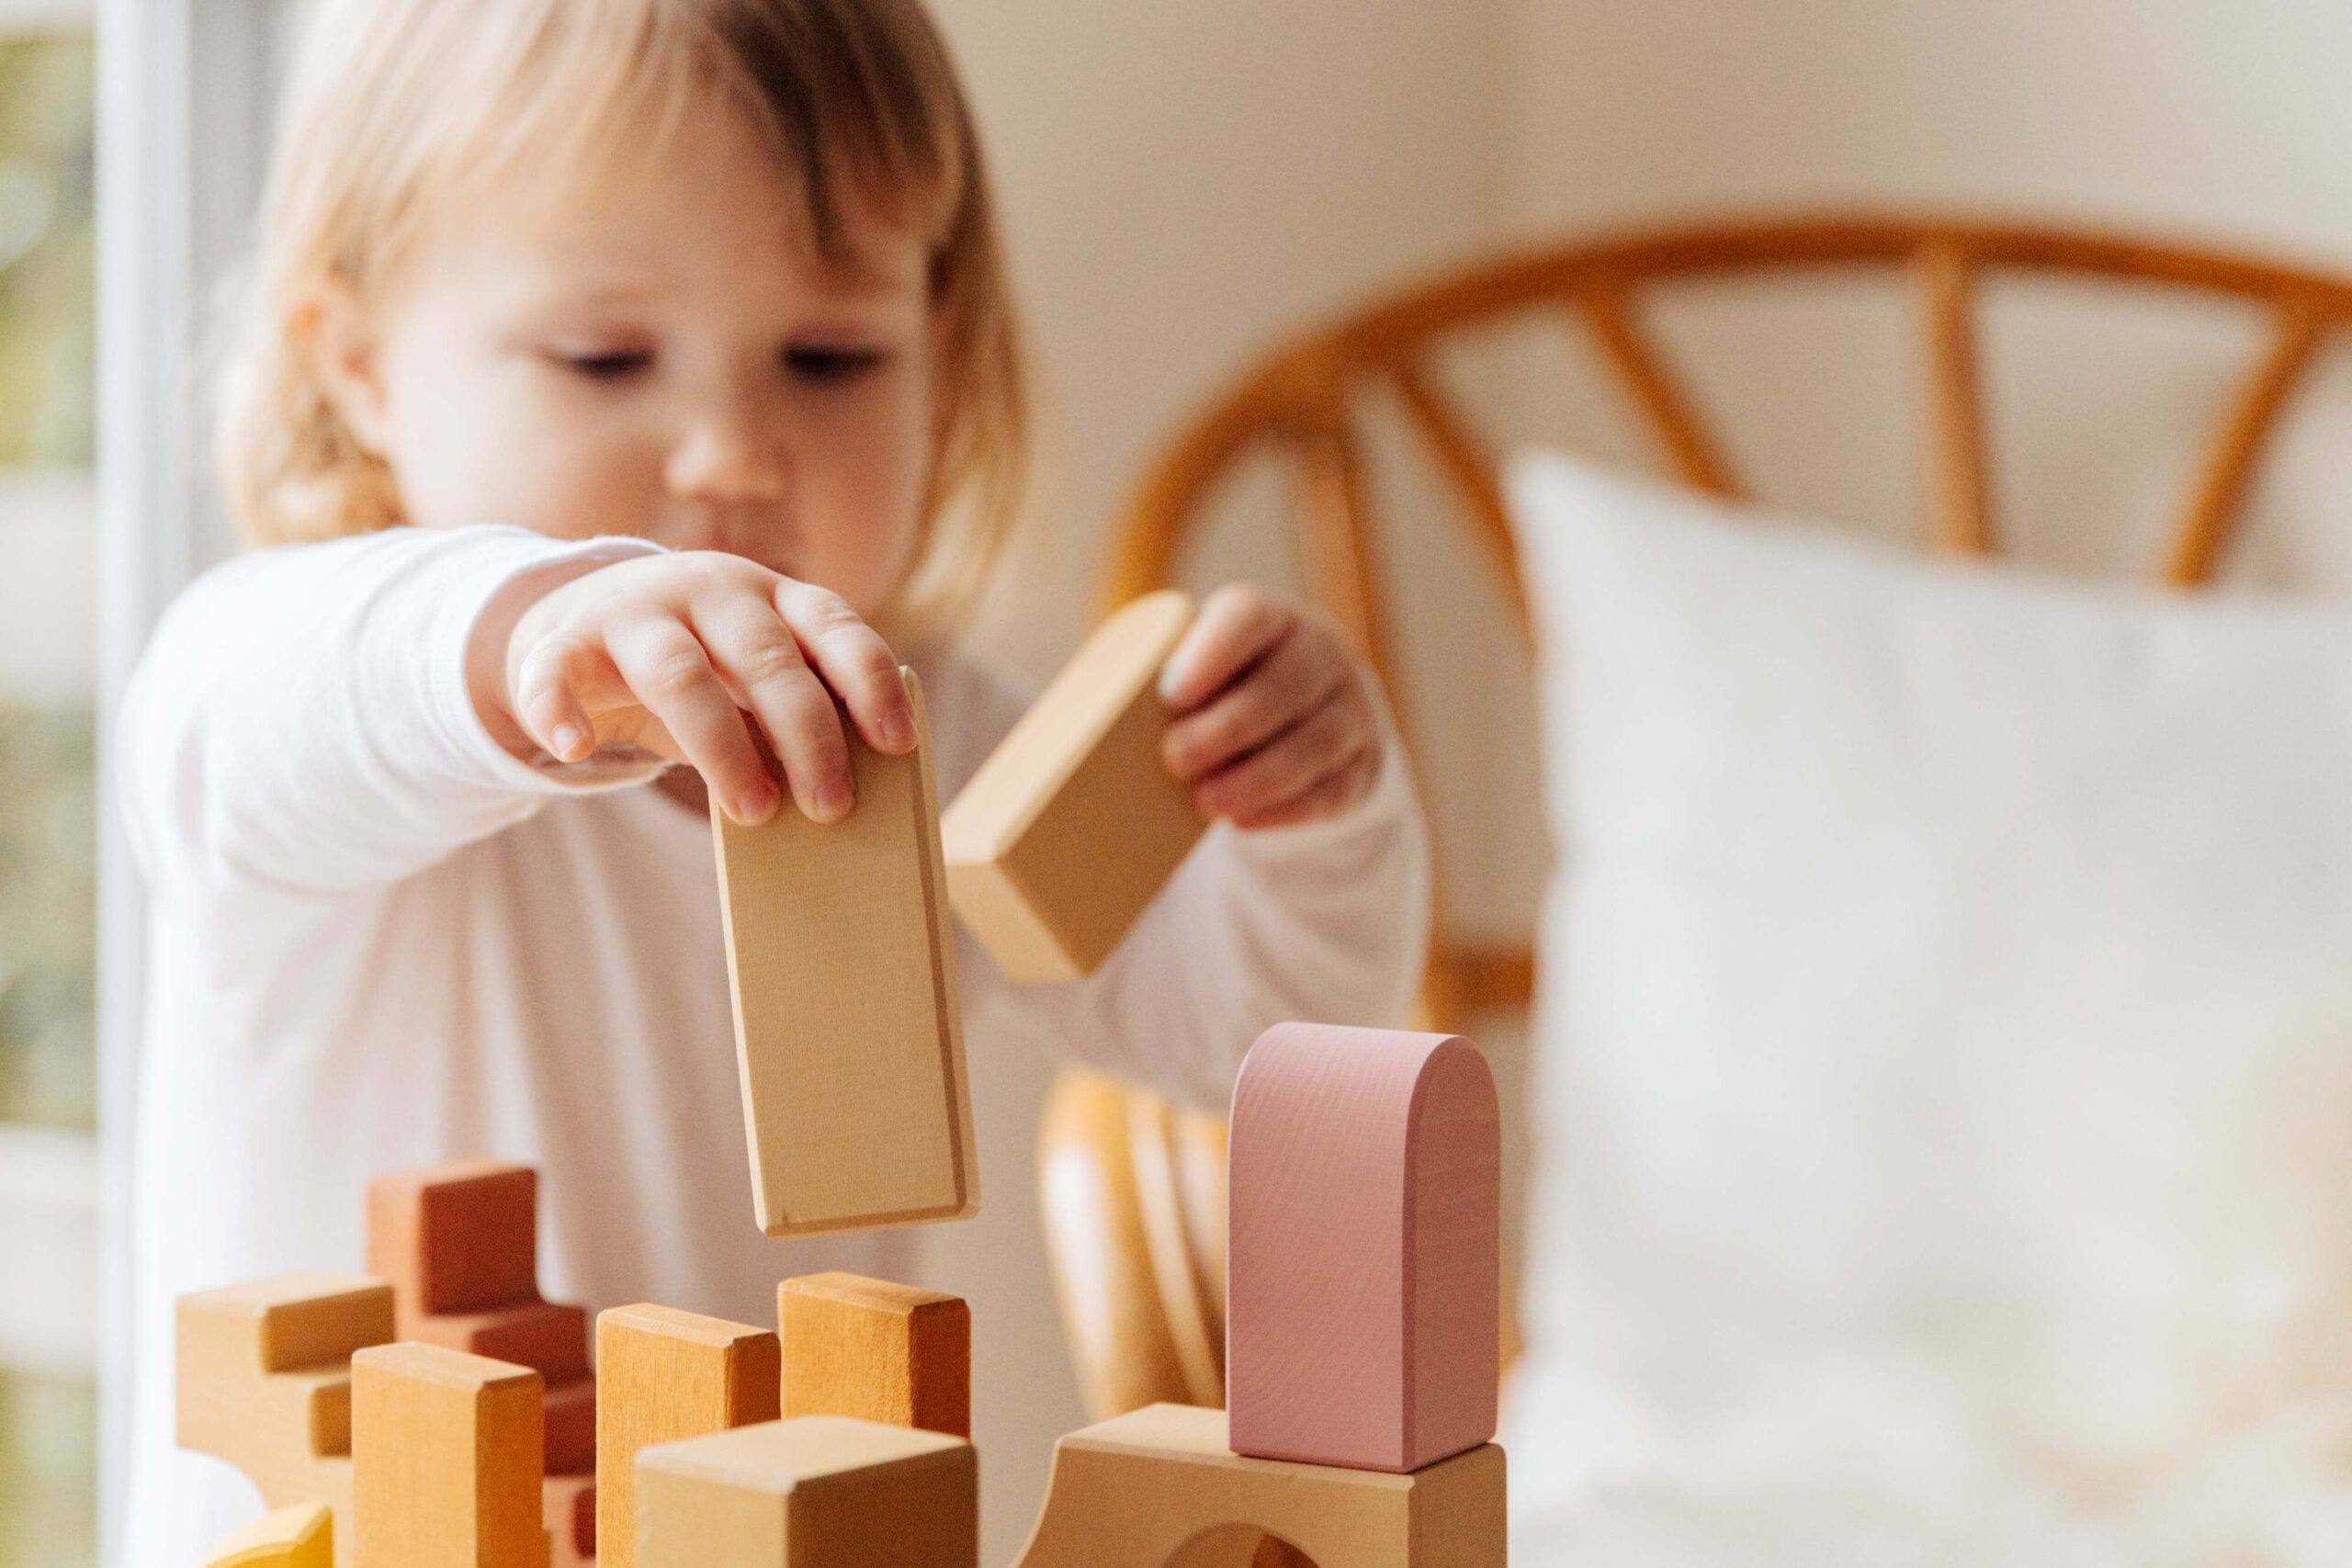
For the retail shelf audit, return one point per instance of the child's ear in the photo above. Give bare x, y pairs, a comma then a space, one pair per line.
341, 342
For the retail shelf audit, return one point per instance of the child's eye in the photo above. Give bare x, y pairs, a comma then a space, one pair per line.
828, 364
603, 364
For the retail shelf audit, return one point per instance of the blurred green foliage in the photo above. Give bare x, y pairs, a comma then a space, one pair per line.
48, 918
49, 1442
48, 251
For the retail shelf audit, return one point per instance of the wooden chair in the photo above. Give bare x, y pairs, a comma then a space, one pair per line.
1133, 1194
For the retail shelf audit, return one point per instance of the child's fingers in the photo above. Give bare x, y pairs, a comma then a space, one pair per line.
854, 662
758, 656
1237, 625
1288, 765
549, 701
1298, 676
672, 675
1328, 796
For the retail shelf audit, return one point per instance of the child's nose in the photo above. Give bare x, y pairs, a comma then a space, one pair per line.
727, 459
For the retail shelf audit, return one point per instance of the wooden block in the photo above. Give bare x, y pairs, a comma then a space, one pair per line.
1074, 823
821, 1492
1363, 1286
299, 1537
446, 1460
460, 1237
876, 1351
663, 1375
264, 1381
570, 1422
847, 1023
1133, 1491
568, 1509
549, 1338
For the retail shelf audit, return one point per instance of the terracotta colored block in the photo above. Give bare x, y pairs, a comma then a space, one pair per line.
299, 1537
446, 1460
264, 1381
848, 1026
570, 1425
662, 1376
1159, 1487
456, 1237
549, 1338
821, 1491
1073, 824
568, 1509
1365, 1293
876, 1351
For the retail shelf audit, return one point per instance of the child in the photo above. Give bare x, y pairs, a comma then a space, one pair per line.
620, 380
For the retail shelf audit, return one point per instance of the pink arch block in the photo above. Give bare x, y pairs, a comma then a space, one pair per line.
1364, 1282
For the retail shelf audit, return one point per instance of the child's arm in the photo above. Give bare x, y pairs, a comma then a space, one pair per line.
307, 719
1319, 908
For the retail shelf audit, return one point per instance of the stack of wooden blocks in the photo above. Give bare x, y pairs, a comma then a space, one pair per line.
443, 1416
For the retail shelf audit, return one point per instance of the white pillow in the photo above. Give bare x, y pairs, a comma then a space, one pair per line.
1943, 1111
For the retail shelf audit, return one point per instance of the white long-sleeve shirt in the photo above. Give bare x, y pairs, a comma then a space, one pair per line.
378, 941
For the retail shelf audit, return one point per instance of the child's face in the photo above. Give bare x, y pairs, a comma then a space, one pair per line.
665, 356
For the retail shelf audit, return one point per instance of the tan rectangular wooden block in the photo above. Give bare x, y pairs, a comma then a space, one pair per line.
876, 1351
1074, 824
848, 1026
262, 1380
663, 1375
461, 1236
821, 1492
446, 1460
299, 1537
1363, 1277
1130, 1492
568, 1508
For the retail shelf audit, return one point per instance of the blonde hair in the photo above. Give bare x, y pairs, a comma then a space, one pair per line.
395, 108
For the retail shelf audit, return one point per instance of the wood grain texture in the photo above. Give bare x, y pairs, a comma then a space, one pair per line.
1365, 1281
264, 1381
456, 1237
819, 1492
1132, 1492
446, 1460
849, 1030
299, 1537
663, 1375
876, 1351
1074, 824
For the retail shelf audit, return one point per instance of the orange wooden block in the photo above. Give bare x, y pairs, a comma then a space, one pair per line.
848, 1027
1074, 823
460, 1237
264, 1381
570, 1427
299, 1537
663, 1375
1363, 1286
549, 1338
446, 1460
1158, 1486
876, 1351
568, 1509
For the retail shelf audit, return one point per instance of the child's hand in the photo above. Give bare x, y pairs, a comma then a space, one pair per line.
1274, 721
677, 653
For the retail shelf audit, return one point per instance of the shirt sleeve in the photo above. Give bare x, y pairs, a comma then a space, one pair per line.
300, 724
1328, 921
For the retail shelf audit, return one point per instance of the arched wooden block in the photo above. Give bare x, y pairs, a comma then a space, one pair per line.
1131, 1493
664, 1376
1363, 1291
818, 1492
264, 1381
1072, 824
299, 1537
446, 1460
